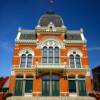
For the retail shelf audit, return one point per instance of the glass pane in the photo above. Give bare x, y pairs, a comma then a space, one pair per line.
28, 86
44, 55
51, 52
78, 64
29, 60
18, 88
44, 60
72, 86
81, 87
57, 60
45, 87
51, 55
23, 60
55, 88
72, 61
56, 51
44, 52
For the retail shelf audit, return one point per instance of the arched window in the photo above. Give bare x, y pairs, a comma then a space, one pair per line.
56, 54
26, 59
50, 54
44, 56
29, 60
72, 64
77, 59
23, 60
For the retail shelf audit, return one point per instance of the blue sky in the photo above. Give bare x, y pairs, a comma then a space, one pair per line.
26, 13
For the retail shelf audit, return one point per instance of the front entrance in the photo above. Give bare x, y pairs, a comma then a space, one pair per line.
50, 86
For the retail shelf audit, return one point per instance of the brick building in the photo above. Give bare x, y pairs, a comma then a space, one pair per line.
96, 78
50, 60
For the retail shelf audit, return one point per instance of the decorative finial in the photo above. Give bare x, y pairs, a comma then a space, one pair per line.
81, 29
19, 29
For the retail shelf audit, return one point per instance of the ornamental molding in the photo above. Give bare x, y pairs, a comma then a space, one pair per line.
51, 42
26, 41
23, 70
74, 41
24, 50
76, 69
74, 50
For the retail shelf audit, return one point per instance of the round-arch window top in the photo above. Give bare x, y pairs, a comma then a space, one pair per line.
51, 17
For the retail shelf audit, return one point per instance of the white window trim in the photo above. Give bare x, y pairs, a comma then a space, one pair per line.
77, 52
23, 51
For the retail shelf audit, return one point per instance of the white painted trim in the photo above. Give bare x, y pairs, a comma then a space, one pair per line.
26, 41
26, 49
74, 50
23, 51
74, 41
18, 36
47, 42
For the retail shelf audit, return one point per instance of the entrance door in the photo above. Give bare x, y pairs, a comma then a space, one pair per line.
28, 86
45, 87
55, 88
81, 87
72, 87
18, 88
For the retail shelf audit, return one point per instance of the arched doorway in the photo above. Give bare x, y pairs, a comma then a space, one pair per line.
50, 85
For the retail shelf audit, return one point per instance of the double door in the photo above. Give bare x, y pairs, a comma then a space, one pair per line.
50, 88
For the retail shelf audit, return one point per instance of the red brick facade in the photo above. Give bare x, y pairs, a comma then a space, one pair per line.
63, 70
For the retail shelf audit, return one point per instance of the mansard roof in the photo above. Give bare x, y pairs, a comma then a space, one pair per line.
27, 35
50, 17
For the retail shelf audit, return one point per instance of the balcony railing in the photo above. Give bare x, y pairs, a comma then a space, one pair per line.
51, 66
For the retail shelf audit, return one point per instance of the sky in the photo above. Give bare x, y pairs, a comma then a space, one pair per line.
26, 13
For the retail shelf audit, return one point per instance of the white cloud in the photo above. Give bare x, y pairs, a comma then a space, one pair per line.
94, 49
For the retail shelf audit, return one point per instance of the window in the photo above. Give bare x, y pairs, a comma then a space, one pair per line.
78, 63
23, 60
75, 60
50, 54
44, 59
26, 59
56, 52
72, 65
29, 60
